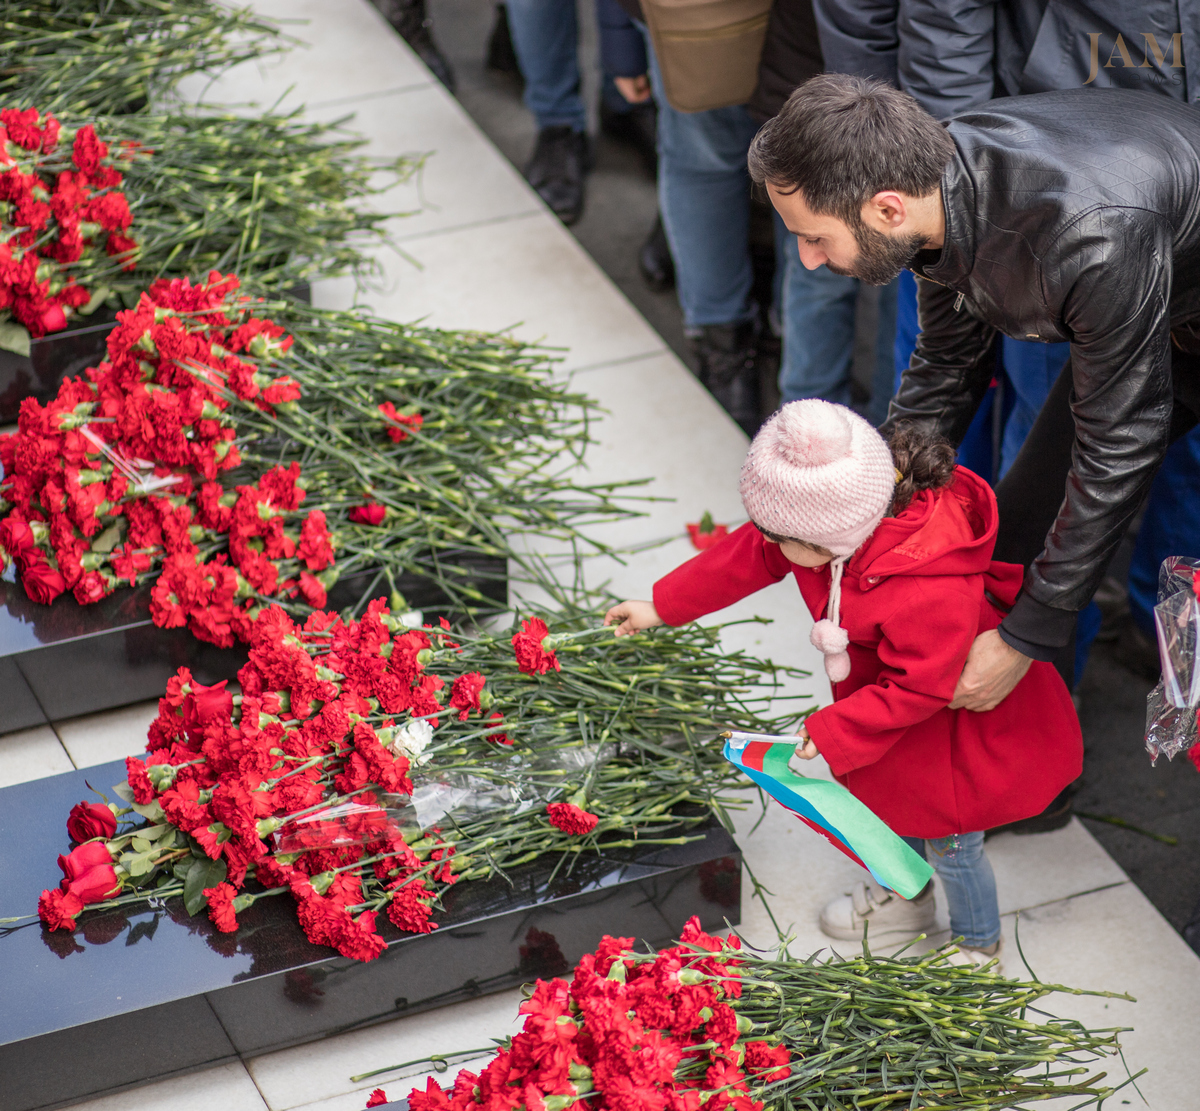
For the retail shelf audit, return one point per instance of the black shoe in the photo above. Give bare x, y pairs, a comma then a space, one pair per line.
725, 360
409, 19
1055, 816
637, 128
557, 169
501, 56
655, 263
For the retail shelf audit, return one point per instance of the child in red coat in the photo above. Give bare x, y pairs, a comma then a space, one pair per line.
891, 546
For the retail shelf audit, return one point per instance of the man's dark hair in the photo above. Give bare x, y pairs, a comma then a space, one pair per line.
839, 140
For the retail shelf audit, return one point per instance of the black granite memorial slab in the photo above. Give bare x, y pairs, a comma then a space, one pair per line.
51, 359
64, 659
139, 995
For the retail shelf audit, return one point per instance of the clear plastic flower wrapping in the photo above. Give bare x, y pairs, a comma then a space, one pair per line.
1171, 705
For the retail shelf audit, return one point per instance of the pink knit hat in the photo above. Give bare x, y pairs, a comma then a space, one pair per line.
818, 472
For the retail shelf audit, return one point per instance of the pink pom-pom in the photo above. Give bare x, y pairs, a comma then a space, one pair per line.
829, 638
812, 433
837, 666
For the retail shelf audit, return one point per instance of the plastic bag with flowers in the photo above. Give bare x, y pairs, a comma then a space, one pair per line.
1171, 706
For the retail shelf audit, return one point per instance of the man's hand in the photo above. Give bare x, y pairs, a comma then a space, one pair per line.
636, 90
633, 617
992, 669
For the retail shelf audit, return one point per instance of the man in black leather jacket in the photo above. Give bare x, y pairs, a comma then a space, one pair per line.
1063, 216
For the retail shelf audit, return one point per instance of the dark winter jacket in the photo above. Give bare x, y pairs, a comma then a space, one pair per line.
955, 54
914, 597
622, 44
791, 55
1070, 216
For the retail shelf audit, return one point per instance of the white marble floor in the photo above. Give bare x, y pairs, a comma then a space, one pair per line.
482, 252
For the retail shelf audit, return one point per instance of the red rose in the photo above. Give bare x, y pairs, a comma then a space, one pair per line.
205, 704
532, 658
370, 514
41, 582
570, 819
88, 872
16, 537
54, 319
90, 819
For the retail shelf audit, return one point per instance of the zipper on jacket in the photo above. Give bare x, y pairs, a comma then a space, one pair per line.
958, 301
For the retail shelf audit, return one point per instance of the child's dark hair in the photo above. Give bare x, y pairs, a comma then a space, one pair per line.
925, 462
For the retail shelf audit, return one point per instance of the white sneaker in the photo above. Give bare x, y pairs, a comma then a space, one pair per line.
980, 957
887, 914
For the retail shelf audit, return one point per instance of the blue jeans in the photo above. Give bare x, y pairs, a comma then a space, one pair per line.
970, 886
545, 36
818, 309
704, 198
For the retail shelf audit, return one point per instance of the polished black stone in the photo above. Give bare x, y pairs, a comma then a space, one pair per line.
63, 660
134, 996
51, 359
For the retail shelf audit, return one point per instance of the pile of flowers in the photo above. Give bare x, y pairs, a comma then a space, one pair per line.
365, 766
121, 474
707, 1024
59, 201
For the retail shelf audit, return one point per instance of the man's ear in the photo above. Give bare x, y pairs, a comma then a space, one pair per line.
886, 211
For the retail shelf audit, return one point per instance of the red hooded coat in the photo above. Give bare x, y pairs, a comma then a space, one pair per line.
913, 600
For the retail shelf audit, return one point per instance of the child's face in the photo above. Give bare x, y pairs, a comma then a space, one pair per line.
802, 554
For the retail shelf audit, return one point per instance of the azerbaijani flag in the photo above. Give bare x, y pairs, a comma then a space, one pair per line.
829, 809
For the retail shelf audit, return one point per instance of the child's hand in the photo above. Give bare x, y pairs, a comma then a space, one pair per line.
633, 617
636, 90
806, 750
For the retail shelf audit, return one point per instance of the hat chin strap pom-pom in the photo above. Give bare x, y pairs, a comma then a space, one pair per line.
832, 640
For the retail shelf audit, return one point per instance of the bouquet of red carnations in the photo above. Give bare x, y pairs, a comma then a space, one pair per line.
120, 474
708, 1024
365, 766
59, 201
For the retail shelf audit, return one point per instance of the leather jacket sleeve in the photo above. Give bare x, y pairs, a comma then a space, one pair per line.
1114, 279
951, 367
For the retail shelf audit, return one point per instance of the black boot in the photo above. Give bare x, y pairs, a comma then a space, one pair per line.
414, 27
725, 360
654, 260
501, 56
557, 169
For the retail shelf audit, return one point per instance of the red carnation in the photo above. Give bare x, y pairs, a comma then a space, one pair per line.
570, 819
464, 695
532, 658
401, 422
87, 150
370, 514
316, 547
498, 738
220, 907
377, 1097
139, 781
90, 819
58, 909
767, 1061
705, 533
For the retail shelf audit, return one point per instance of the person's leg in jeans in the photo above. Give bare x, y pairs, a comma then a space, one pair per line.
545, 35
966, 875
704, 197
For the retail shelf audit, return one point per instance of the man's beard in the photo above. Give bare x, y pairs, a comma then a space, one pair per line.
880, 257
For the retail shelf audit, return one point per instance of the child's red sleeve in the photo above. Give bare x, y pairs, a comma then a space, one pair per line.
925, 644
739, 565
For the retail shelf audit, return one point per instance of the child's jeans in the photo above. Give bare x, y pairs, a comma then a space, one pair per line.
970, 886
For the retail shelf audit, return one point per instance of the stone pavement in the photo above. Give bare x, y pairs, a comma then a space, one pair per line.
483, 253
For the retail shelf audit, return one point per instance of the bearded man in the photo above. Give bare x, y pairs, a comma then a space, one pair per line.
1062, 217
